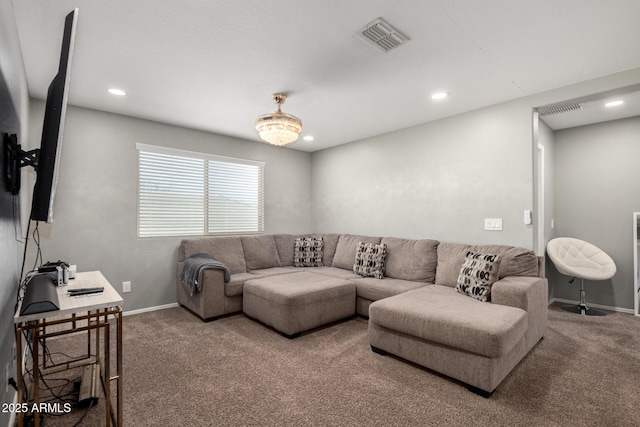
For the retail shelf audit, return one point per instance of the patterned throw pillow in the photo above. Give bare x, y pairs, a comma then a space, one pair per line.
307, 252
477, 275
370, 260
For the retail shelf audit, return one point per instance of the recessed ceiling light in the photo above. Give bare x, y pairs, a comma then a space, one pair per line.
308, 138
614, 103
439, 95
118, 92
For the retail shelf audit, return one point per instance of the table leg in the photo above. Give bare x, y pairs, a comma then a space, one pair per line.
119, 366
36, 373
97, 317
107, 374
19, 373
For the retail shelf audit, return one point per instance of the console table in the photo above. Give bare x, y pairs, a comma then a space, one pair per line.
86, 313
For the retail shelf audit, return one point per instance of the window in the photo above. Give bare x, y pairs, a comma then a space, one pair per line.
182, 193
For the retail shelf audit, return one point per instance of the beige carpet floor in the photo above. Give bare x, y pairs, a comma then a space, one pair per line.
179, 371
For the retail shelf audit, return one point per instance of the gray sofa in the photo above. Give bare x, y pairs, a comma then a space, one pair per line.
415, 311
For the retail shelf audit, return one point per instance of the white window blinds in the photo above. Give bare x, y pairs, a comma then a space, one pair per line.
182, 193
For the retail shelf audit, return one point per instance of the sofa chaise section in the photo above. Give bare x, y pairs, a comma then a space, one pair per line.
476, 342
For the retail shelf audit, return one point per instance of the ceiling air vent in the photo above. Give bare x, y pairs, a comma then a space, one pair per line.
382, 35
559, 109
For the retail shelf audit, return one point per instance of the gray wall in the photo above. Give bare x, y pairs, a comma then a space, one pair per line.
596, 183
437, 180
14, 105
441, 179
95, 212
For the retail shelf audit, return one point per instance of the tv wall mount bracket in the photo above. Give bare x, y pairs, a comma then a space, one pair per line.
16, 158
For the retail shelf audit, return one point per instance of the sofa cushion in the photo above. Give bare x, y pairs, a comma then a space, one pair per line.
329, 244
514, 261
233, 288
274, 271
227, 250
477, 275
374, 289
450, 260
284, 246
440, 314
346, 249
307, 252
260, 252
339, 273
370, 260
411, 259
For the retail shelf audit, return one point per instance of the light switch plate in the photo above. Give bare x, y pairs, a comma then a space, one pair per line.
493, 224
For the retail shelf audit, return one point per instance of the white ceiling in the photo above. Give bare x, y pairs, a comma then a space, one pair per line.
594, 109
213, 65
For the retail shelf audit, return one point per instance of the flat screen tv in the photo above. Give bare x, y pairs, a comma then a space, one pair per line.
53, 128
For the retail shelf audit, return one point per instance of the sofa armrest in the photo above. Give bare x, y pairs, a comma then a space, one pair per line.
529, 294
210, 301
520, 291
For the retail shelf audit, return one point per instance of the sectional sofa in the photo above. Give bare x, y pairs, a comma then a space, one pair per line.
415, 293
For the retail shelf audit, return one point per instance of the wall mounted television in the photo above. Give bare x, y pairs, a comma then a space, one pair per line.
46, 159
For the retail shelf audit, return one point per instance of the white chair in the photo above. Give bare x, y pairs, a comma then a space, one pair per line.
577, 258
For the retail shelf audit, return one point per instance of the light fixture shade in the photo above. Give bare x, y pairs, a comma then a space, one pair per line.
279, 128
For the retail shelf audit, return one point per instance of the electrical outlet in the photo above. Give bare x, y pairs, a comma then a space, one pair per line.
126, 287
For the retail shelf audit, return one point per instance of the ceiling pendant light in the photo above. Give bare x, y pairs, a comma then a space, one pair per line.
278, 128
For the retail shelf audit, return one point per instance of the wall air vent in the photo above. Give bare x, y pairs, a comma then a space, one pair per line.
382, 35
559, 109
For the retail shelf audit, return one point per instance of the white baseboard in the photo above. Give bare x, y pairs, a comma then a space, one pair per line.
147, 309
600, 306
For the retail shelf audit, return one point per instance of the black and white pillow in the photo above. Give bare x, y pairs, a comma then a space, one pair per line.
477, 275
370, 260
307, 252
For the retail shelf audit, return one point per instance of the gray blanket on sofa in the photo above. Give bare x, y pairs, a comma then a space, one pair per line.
192, 268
